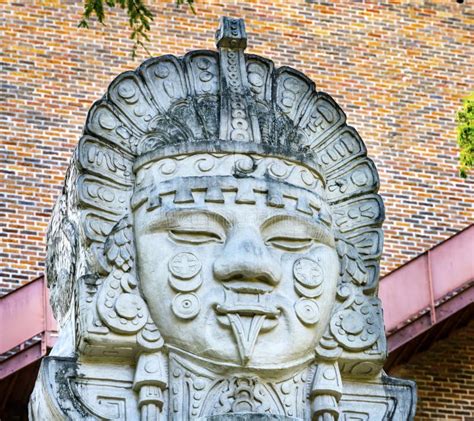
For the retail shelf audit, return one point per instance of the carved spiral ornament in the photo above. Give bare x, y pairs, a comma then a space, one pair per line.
121, 311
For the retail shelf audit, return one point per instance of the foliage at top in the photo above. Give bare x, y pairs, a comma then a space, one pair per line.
139, 17
465, 120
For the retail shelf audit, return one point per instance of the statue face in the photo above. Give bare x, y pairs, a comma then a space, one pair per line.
241, 282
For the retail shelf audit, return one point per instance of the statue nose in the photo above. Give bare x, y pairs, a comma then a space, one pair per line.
246, 258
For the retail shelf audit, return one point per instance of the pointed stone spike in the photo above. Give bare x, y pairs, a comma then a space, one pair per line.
238, 120
231, 33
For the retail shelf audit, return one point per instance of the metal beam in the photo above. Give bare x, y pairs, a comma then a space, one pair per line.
428, 289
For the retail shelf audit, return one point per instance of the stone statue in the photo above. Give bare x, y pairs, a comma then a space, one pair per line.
215, 253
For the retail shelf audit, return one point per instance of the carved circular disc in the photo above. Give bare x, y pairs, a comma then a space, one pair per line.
185, 285
184, 265
126, 314
128, 306
309, 292
352, 323
307, 311
186, 306
308, 272
355, 330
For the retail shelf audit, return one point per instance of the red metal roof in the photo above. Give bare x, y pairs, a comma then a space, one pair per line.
28, 327
434, 290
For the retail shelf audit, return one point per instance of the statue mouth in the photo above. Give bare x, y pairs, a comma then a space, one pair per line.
248, 314
248, 300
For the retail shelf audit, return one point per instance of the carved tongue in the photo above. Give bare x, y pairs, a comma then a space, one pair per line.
246, 330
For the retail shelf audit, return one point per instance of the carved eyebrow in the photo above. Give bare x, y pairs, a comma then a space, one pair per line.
171, 218
315, 229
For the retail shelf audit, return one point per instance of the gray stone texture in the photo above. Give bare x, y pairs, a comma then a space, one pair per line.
215, 252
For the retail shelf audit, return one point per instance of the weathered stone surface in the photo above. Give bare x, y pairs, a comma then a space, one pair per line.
214, 255
249, 417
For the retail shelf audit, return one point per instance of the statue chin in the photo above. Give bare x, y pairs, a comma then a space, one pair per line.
215, 253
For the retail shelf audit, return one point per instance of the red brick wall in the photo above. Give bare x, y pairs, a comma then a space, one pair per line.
398, 68
445, 378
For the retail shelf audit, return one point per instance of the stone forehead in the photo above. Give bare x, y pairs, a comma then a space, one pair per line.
225, 149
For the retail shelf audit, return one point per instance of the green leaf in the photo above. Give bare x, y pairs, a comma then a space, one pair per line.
139, 17
465, 120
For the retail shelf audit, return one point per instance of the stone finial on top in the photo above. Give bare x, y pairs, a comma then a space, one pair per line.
231, 34
238, 121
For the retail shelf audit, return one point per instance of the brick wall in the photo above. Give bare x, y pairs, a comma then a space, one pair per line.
445, 378
398, 68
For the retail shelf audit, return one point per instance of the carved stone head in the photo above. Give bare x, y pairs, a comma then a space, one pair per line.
237, 261
220, 223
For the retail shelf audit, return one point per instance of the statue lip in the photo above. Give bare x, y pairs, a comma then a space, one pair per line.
251, 287
247, 302
248, 310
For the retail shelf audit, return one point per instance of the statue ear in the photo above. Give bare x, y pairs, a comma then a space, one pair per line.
119, 303
115, 305
354, 335
62, 240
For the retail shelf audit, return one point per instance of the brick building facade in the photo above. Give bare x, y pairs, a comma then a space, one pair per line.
399, 69
445, 378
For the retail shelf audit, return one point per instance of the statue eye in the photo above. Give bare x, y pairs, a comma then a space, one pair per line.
289, 243
194, 236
